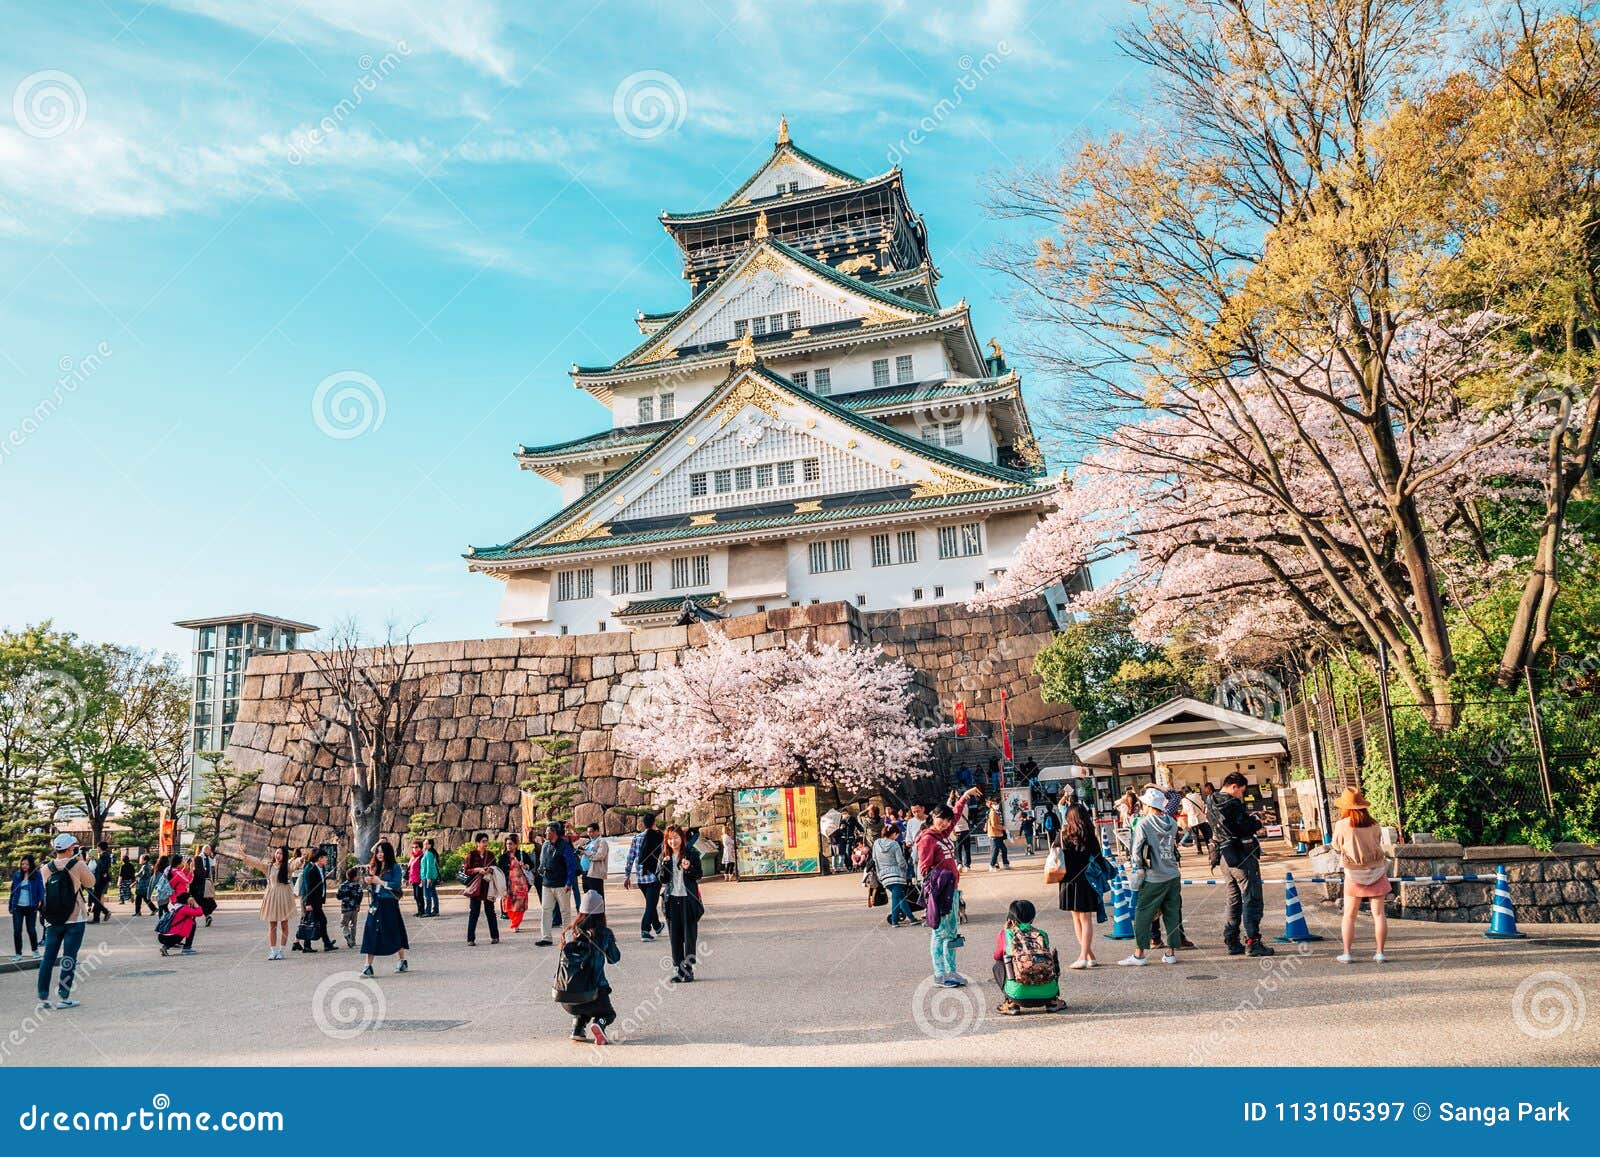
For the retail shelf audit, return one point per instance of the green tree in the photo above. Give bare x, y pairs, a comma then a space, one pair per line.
221, 793
141, 815
420, 825
554, 789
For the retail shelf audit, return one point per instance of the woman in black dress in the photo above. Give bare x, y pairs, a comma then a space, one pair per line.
1080, 846
385, 930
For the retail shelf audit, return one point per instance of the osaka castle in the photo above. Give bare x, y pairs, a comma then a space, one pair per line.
815, 424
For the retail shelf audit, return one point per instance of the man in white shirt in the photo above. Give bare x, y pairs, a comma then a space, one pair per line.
915, 822
598, 852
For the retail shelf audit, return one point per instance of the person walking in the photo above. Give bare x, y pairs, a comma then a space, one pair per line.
1077, 893
125, 874
644, 865
1029, 828
1155, 879
161, 885
479, 866
596, 860
350, 893
1359, 841
385, 930
518, 870
177, 927
1051, 823
995, 829
588, 929
1239, 849
963, 827
67, 880
680, 883
27, 893
143, 879
941, 885
313, 889
889, 862
430, 878
1194, 816
1025, 966
278, 903
730, 854
414, 878
102, 883
556, 895
202, 886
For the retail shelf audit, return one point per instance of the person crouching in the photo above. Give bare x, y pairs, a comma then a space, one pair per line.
588, 935
179, 925
1026, 968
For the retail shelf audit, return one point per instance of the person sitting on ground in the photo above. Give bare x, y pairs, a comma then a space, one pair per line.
1025, 966
180, 925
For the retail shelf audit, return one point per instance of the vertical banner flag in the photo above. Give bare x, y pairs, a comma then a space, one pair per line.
1005, 729
961, 717
169, 830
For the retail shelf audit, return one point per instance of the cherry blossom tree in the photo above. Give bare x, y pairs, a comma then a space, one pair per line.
728, 716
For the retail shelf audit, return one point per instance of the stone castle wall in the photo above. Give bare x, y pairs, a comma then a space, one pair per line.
486, 698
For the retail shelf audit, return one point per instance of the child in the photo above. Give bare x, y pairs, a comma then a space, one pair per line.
593, 1016
349, 893
1025, 966
178, 927
730, 855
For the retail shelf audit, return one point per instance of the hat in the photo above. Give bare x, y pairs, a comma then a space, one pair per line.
593, 903
1154, 797
1350, 799
64, 841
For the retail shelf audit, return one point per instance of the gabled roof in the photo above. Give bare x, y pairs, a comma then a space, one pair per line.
661, 334
782, 149
570, 525
1238, 725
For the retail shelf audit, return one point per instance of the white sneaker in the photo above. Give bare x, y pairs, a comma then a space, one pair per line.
1133, 961
1345, 958
1168, 958
1379, 958
44, 1006
66, 1002
38, 954
1079, 964
17, 959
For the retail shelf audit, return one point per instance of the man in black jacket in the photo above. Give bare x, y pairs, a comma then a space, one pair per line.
102, 883
313, 891
1234, 830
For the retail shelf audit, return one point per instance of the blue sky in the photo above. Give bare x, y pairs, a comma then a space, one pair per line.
208, 209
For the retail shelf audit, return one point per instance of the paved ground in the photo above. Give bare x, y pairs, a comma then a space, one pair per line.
798, 972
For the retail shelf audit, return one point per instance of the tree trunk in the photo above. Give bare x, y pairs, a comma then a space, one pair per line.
366, 821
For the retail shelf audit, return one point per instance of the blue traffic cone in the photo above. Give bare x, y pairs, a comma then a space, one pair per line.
1295, 930
1121, 909
1502, 916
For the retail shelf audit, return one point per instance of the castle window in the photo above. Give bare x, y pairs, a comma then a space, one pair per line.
693, 570
697, 485
830, 555
724, 481
740, 328
785, 473
642, 579
758, 326
861, 600
776, 321
794, 319
742, 478
812, 469
619, 579
763, 476
916, 594
880, 550
801, 379
952, 433
966, 539
824, 381
591, 480
647, 410
880, 372
938, 592
668, 407
572, 585
906, 543
902, 368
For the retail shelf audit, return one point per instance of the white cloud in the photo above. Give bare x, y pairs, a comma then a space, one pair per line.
469, 30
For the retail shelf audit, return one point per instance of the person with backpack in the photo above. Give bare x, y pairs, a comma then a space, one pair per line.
581, 986
1026, 968
1155, 879
67, 880
1029, 829
27, 893
644, 864
889, 863
177, 926
1237, 846
161, 886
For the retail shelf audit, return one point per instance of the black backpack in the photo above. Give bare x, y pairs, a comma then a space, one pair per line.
577, 978
60, 894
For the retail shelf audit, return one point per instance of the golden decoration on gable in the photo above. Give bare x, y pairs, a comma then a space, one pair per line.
877, 316
761, 226
766, 259
749, 392
947, 482
857, 264
702, 519
579, 529
810, 506
744, 350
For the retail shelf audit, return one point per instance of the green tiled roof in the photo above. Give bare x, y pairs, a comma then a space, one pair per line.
873, 429
621, 438
731, 205
820, 268
512, 552
668, 604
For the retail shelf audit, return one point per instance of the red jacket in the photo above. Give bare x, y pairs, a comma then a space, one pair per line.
183, 920
934, 850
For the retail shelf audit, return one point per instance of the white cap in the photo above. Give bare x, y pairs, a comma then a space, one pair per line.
64, 841
591, 904
1154, 797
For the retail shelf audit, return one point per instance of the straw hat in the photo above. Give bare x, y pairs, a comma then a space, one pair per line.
1350, 799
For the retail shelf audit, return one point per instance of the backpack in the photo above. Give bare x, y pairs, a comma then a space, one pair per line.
164, 925
163, 889
1029, 957
60, 894
577, 978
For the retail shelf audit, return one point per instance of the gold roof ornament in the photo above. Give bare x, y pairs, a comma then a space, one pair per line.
783, 130
761, 225
744, 350
994, 349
